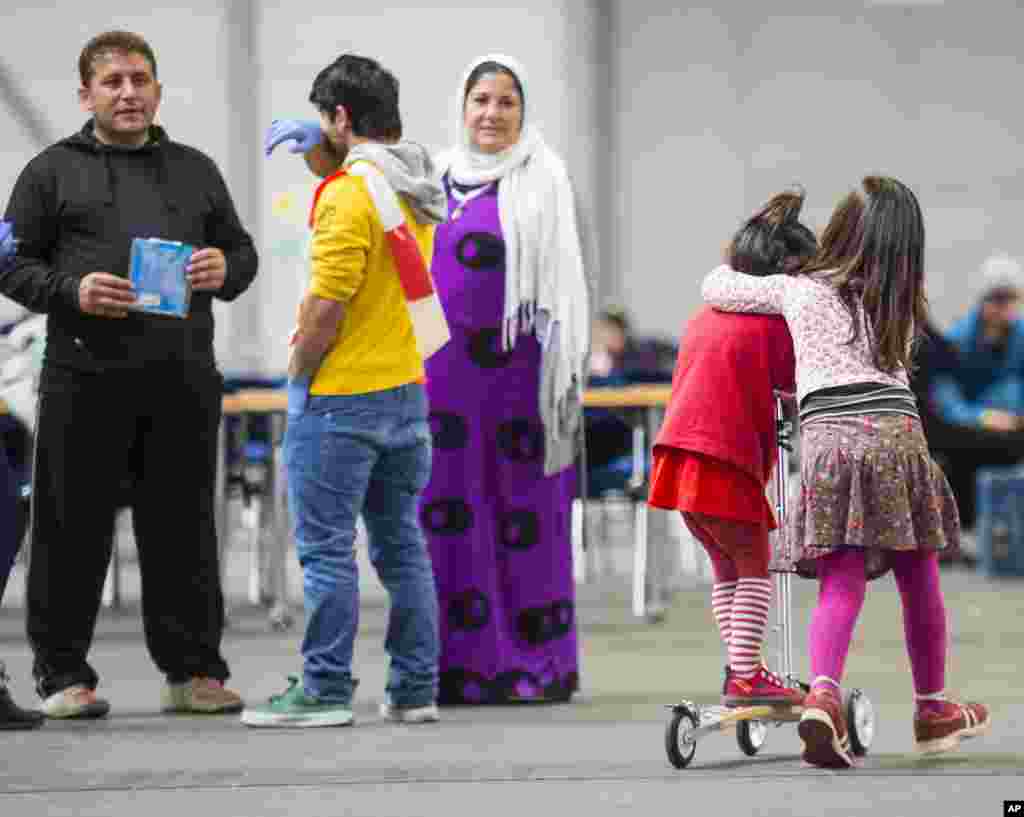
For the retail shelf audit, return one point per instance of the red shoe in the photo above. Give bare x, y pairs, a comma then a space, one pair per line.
942, 731
764, 689
823, 730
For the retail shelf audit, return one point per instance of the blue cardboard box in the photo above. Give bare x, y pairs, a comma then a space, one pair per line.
1000, 521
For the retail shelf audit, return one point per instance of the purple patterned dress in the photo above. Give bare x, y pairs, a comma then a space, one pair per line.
498, 529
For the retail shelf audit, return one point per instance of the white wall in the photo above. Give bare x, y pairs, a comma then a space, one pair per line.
718, 108
428, 48
41, 44
679, 156
676, 119
201, 54
41, 47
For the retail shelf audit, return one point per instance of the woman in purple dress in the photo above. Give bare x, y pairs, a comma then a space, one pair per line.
505, 398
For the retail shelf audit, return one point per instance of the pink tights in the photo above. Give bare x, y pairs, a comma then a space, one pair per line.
841, 594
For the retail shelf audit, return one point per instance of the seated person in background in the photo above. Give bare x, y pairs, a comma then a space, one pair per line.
970, 384
618, 358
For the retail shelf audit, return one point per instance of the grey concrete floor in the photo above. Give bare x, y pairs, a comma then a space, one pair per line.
601, 754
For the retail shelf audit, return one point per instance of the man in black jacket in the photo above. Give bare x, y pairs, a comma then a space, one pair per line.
123, 393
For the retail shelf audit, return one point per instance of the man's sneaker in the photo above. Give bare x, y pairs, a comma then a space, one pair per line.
764, 689
823, 730
294, 708
77, 701
13, 716
200, 696
410, 714
942, 730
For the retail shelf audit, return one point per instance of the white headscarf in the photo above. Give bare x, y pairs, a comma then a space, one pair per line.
545, 283
1001, 271
470, 165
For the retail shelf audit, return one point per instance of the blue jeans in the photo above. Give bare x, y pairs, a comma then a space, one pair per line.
368, 454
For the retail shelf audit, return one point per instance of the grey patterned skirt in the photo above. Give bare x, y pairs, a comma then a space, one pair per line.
868, 481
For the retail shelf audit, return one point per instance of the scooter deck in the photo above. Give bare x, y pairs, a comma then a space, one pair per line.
777, 714
721, 719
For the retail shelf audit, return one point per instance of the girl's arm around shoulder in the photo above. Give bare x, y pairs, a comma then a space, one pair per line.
732, 291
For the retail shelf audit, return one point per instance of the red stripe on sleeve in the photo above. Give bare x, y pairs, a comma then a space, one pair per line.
320, 189
412, 269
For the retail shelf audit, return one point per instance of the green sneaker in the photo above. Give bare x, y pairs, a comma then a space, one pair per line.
294, 708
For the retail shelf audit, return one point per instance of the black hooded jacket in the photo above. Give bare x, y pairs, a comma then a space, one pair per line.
76, 208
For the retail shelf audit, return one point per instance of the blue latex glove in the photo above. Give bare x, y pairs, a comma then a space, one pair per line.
8, 246
298, 395
305, 134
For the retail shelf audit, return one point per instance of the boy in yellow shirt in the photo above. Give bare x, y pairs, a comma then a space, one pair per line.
358, 440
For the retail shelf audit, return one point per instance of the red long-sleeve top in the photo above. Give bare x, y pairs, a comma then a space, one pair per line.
722, 403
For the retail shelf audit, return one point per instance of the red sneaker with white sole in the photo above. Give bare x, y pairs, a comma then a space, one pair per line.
941, 729
764, 689
823, 730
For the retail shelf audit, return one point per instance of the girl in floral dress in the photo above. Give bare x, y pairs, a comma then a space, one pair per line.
871, 496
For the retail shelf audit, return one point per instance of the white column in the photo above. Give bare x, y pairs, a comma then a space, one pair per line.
240, 333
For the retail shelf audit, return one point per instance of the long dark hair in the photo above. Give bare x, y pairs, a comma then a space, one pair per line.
773, 240
872, 251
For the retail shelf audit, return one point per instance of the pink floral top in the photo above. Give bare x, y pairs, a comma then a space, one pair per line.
818, 321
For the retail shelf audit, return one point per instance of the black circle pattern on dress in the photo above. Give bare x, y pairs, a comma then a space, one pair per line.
520, 530
518, 685
447, 517
485, 349
539, 625
458, 685
521, 440
481, 251
469, 611
448, 430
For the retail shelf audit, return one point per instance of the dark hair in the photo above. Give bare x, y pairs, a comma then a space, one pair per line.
616, 316
492, 67
872, 251
124, 41
773, 240
366, 90
1002, 294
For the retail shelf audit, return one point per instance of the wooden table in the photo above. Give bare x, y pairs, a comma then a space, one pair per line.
630, 397
273, 401
643, 402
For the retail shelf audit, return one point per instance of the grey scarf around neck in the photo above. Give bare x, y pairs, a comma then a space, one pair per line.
410, 171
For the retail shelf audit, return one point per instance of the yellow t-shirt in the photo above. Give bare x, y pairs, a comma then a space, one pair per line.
375, 347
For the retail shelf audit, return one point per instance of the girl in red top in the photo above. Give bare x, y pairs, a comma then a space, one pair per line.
715, 452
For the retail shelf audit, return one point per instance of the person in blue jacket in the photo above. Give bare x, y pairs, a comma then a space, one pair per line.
982, 391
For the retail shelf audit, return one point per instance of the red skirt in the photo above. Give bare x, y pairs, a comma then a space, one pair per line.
690, 481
